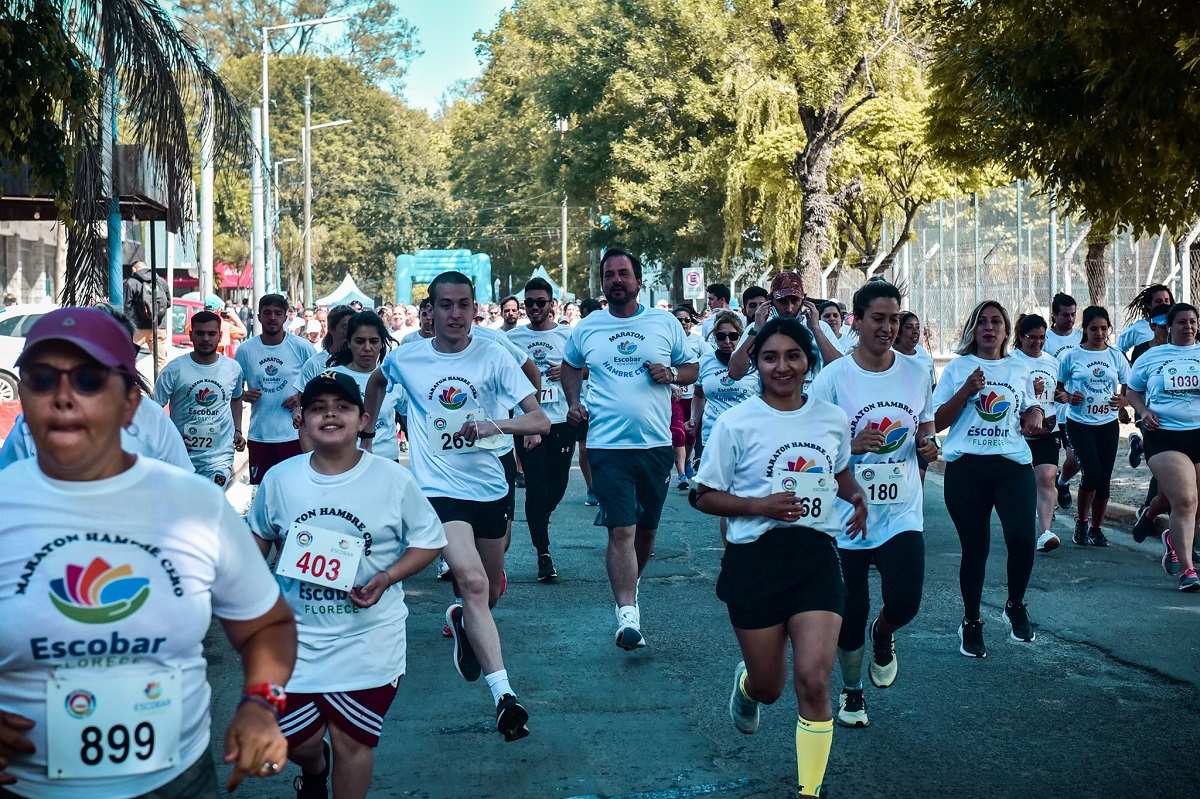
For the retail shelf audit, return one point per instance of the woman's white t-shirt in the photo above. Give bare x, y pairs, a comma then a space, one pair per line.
1169, 377
385, 443
1045, 366
721, 392
344, 647
752, 442
1098, 375
990, 421
109, 579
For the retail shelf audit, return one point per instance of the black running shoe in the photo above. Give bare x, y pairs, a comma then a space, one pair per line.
1135, 450
511, 719
315, 786
1064, 494
1017, 617
970, 639
1096, 538
546, 570
1080, 536
1143, 526
884, 664
520, 479
465, 662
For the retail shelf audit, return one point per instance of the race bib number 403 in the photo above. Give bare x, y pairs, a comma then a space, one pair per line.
320, 556
815, 493
112, 724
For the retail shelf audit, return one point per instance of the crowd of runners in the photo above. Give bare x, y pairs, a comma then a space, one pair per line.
804, 427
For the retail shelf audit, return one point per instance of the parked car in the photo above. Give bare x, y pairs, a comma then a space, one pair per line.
181, 311
15, 321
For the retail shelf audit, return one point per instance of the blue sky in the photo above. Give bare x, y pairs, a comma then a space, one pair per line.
445, 29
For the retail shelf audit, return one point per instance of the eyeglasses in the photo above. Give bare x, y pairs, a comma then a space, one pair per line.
87, 379
725, 336
537, 303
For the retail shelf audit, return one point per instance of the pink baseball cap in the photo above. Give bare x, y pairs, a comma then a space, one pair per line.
94, 331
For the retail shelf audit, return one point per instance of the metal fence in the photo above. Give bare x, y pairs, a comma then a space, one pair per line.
998, 246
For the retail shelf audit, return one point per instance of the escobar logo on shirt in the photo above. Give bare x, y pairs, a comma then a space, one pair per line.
894, 428
992, 405
451, 397
626, 363
800, 456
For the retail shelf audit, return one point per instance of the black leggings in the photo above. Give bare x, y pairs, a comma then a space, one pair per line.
975, 484
547, 469
1096, 450
900, 562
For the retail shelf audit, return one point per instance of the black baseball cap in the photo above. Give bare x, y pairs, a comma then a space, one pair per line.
331, 382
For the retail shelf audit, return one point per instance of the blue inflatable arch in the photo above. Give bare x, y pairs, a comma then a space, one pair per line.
424, 265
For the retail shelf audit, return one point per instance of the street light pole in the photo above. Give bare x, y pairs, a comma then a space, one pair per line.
256, 217
563, 125
276, 266
306, 135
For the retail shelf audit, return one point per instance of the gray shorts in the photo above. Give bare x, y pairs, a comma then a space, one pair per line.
631, 485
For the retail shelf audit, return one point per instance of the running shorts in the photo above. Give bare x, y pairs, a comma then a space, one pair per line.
631, 485
1184, 441
1044, 449
509, 461
359, 713
264, 455
1062, 434
487, 519
785, 571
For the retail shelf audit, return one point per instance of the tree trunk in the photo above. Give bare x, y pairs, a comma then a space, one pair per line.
1096, 268
817, 207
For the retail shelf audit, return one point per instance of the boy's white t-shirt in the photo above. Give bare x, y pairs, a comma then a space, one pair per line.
343, 647
272, 369
155, 552
752, 442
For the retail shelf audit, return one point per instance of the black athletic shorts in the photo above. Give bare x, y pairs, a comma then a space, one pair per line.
785, 571
1044, 449
1062, 435
631, 485
487, 519
509, 460
1184, 441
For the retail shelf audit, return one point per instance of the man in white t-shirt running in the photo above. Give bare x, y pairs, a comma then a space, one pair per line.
717, 295
1061, 338
345, 591
270, 362
633, 355
204, 394
460, 388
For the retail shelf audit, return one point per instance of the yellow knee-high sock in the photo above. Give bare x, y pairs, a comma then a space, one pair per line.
813, 742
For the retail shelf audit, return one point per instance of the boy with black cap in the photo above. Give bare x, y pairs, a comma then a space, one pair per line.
349, 526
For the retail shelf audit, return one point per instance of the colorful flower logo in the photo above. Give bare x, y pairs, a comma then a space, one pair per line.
992, 407
802, 465
1098, 372
452, 398
271, 369
894, 435
539, 354
727, 381
627, 348
99, 593
80, 703
153, 690
205, 397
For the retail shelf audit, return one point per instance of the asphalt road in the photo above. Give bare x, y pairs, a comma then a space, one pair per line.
1102, 704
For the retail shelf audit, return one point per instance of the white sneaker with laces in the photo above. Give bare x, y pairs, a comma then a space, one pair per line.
629, 628
1047, 542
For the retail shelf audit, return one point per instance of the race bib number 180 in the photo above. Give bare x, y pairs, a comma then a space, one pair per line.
882, 483
320, 556
815, 492
112, 724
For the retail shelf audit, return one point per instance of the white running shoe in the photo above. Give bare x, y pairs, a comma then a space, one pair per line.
743, 710
443, 569
1047, 542
852, 709
629, 628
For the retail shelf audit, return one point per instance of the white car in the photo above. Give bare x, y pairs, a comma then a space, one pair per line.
15, 321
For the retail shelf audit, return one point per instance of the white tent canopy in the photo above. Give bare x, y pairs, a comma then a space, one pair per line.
346, 293
555, 289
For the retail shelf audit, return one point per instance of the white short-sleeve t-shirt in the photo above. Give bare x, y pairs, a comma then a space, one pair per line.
152, 434
385, 444
894, 401
1045, 367
626, 409
1169, 377
696, 348
317, 362
1058, 345
272, 369
199, 397
344, 647
112, 577
1098, 375
545, 347
742, 458
990, 421
481, 377
721, 392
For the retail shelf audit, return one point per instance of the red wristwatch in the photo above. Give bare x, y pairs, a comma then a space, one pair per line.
268, 692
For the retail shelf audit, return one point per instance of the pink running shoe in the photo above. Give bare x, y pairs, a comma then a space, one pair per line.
1170, 561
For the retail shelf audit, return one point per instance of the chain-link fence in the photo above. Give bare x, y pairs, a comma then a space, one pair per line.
996, 245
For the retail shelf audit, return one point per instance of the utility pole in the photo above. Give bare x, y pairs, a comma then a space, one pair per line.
306, 137
256, 216
563, 126
1052, 247
204, 268
975, 222
265, 141
564, 247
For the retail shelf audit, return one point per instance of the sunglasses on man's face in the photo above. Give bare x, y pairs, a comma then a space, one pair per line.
87, 379
725, 336
537, 303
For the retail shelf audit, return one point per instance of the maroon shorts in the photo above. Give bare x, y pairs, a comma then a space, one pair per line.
263, 456
359, 714
681, 411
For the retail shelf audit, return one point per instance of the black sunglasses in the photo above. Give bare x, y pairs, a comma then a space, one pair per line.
536, 303
725, 336
88, 378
